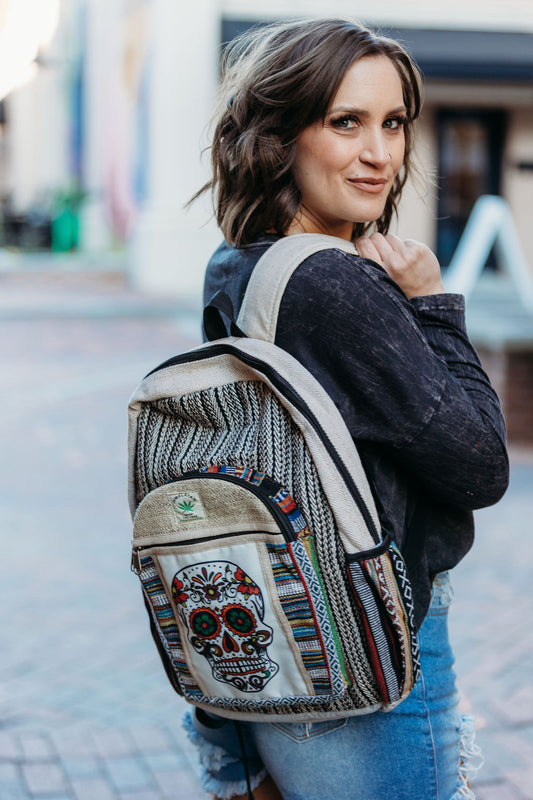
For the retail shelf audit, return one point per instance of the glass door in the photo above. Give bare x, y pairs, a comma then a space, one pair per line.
470, 162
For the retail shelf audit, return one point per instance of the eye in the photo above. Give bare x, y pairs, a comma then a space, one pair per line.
239, 619
204, 623
345, 123
394, 123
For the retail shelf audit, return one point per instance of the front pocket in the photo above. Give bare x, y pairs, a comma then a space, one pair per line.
382, 596
226, 563
307, 731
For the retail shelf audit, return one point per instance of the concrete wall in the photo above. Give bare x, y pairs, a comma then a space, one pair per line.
518, 183
37, 140
170, 245
474, 14
418, 206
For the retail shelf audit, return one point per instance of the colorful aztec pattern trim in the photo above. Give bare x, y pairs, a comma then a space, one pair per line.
383, 575
304, 606
245, 473
407, 601
275, 492
298, 609
391, 641
166, 621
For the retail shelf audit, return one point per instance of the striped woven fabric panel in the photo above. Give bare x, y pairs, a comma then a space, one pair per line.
381, 649
241, 423
167, 624
382, 574
396, 650
296, 605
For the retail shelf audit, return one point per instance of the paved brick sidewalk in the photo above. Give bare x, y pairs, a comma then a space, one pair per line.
88, 762
86, 712
493, 638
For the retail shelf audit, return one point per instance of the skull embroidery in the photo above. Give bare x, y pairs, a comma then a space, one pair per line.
223, 611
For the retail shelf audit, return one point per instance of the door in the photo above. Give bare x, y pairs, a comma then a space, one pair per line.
470, 163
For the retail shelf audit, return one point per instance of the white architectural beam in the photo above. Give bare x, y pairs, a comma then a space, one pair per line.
170, 246
490, 223
100, 21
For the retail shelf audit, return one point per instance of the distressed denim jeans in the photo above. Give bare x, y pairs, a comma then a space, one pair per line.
420, 750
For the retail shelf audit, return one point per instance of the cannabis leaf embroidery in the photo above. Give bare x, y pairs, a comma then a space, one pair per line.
186, 506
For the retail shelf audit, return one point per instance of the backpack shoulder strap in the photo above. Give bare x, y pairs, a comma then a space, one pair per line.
258, 316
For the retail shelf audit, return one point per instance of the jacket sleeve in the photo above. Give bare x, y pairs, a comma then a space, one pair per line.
402, 373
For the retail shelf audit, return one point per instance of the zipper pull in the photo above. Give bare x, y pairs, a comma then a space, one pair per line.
136, 561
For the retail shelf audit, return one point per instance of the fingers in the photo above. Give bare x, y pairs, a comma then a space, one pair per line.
411, 264
386, 250
366, 248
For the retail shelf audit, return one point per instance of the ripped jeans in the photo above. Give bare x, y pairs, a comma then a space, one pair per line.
418, 750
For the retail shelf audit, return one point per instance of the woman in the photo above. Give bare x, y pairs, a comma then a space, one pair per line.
315, 136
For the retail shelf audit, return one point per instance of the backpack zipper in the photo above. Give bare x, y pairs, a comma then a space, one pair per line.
267, 500
286, 388
138, 550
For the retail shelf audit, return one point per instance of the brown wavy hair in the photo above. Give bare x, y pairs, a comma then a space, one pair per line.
276, 81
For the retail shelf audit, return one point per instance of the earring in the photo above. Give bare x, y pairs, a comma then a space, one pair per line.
390, 156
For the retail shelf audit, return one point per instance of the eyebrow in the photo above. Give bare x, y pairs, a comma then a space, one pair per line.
361, 112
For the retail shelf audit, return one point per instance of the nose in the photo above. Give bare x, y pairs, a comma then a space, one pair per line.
375, 150
229, 644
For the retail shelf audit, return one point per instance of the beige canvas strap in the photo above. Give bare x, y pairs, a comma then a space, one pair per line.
258, 316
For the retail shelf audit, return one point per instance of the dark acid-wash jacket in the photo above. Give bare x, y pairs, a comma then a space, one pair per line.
410, 387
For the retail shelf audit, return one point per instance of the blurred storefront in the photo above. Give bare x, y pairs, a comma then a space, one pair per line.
104, 112
102, 147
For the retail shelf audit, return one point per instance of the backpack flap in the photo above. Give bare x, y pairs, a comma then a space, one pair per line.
233, 360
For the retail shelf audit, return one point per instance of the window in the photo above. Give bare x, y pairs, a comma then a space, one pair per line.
470, 161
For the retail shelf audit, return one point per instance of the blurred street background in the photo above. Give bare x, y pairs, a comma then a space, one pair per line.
104, 106
86, 711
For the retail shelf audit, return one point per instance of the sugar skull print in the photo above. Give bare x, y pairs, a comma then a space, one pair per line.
223, 610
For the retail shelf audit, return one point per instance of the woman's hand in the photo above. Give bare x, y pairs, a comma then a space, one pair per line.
411, 264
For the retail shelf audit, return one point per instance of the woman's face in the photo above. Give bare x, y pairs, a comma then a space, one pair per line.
345, 164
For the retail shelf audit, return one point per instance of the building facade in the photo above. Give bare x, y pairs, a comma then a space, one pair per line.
118, 115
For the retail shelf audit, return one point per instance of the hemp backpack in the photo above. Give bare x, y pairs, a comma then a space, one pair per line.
270, 589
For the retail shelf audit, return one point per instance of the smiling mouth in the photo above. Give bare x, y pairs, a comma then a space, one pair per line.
242, 666
371, 185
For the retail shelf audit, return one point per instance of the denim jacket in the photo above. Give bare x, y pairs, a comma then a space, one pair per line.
410, 387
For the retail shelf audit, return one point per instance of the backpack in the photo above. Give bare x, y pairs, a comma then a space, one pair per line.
270, 588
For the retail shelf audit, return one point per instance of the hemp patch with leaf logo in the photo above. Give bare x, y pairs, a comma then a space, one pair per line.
188, 506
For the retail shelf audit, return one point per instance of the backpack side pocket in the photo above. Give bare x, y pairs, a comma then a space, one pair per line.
382, 597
